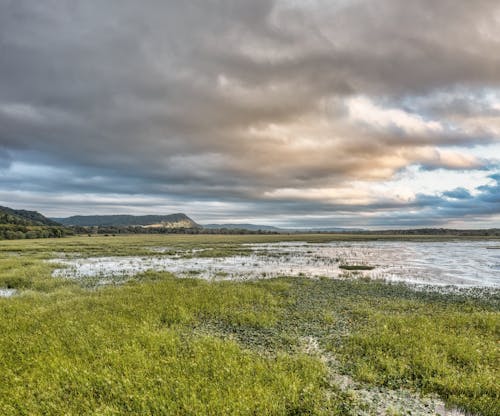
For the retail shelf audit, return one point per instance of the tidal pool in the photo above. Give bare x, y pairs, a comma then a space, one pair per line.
460, 263
7, 293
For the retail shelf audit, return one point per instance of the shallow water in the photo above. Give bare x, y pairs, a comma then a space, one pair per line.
460, 263
7, 293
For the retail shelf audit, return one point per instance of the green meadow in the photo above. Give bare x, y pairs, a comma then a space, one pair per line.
160, 345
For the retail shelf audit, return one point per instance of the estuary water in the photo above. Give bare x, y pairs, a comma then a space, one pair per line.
459, 263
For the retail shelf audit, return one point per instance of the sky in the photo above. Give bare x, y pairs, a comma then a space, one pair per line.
311, 113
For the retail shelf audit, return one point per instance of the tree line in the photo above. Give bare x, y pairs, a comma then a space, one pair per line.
20, 232
116, 230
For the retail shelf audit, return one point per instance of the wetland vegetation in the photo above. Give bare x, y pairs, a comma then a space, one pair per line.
157, 344
356, 267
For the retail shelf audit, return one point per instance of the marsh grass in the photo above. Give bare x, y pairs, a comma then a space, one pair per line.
356, 267
28, 273
133, 350
446, 348
160, 345
138, 245
395, 337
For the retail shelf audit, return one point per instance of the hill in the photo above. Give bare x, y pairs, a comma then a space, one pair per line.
146, 221
270, 228
23, 217
250, 227
19, 223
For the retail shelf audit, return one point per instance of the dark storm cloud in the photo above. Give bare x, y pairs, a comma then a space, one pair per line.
234, 100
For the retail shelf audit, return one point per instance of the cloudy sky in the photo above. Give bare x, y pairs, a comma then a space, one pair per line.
365, 113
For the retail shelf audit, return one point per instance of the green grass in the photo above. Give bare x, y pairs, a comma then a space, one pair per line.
122, 245
135, 350
161, 345
356, 267
443, 346
28, 272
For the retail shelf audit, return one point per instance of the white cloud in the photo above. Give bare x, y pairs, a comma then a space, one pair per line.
363, 110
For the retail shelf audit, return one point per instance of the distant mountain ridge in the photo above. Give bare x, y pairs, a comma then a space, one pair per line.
147, 221
24, 217
251, 227
271, 228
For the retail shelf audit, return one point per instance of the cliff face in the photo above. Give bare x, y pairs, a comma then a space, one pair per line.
148, 221
185, 223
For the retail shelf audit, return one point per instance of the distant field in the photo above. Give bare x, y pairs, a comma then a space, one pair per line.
286, 346
135, 243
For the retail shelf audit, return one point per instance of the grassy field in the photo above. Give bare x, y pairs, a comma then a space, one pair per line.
161, 345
